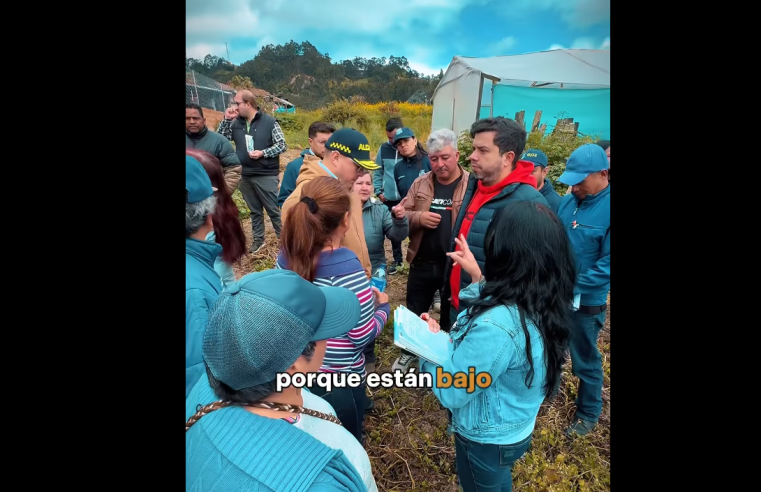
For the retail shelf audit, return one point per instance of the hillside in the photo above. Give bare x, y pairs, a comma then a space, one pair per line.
302, 75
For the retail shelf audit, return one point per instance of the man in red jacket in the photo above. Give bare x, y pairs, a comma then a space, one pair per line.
500, 178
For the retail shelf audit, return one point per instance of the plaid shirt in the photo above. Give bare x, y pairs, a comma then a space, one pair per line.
278, 147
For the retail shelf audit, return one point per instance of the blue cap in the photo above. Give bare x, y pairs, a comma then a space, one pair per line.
535, 156
261, 324
197, 182
403, 133
585, 160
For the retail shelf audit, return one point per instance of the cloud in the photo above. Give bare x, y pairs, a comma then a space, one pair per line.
375, 28
575, 13
584, 44
364, 29
283, 19
505, 44
200, 50
426, 69
232, 18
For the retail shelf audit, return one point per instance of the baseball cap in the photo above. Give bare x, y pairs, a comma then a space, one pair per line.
353, 144
197, 182
585, 160
535, 156
261, 324
403, 133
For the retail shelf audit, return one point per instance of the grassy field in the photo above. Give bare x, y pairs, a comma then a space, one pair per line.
407, 441
370, 119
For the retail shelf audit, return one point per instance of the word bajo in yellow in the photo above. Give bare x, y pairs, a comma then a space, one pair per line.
468, 380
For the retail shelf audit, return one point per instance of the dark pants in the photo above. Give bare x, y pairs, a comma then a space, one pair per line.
396, 246
487, 467
423, 281
260, 193
586, 363
349, 404
369, 352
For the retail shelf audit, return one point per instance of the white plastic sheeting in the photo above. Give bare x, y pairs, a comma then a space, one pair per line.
456, 101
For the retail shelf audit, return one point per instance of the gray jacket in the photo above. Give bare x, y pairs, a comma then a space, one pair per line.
379, 224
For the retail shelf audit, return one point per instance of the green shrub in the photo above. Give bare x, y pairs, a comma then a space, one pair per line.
290, 123
243, 212
343, 112
558, 147
465, 146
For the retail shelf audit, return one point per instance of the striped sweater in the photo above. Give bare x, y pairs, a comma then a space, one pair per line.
341, 268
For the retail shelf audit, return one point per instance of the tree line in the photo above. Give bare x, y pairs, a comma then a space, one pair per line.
299, 73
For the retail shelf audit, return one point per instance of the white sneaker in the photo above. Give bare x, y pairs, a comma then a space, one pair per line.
403, 363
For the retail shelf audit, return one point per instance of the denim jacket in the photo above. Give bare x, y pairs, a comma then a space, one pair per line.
505, 412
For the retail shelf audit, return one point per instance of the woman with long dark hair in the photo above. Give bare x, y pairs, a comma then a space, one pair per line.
311, 247
227, 232
516, 329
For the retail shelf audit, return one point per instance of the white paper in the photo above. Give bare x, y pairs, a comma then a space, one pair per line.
250, 143
576, 302
411, 333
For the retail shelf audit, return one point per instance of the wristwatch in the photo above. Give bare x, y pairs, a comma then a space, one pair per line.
481, 282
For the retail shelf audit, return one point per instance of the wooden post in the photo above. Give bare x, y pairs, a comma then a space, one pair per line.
537, 119
519, 116
480, 95
566, 125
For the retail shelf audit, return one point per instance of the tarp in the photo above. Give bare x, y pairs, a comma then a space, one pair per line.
457, 98
575, 69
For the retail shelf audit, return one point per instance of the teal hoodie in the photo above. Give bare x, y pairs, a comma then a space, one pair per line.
202, 287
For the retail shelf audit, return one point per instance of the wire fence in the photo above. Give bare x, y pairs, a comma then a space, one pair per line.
207, 92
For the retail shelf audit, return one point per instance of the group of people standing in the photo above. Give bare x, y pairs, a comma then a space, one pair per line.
522, 276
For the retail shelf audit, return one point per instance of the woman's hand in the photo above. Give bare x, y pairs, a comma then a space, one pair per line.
379, 297
398, 211
433, 325
465, 259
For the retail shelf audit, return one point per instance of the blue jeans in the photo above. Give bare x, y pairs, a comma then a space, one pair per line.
487, 467
587, 363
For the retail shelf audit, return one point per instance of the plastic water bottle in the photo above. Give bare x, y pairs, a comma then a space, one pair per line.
379, 278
